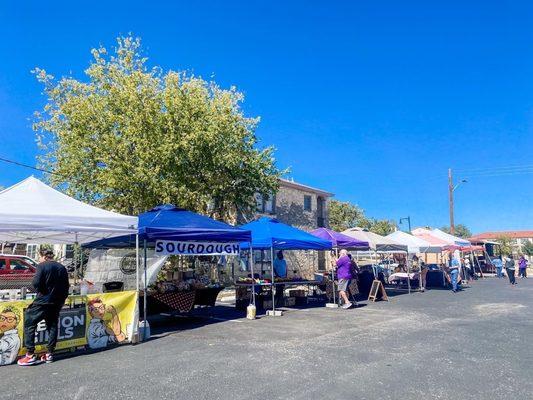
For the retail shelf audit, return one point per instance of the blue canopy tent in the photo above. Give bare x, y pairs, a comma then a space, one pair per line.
269, 233
168, 222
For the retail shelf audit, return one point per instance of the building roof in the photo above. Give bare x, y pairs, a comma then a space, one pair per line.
305, 188
509, 234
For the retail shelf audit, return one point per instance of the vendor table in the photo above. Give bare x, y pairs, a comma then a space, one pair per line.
403, 275
263, 301
182, 301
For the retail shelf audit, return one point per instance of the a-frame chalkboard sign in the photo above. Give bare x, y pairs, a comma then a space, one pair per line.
377, 291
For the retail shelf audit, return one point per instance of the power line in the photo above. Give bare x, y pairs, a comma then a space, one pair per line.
27, 166
502, 173
494, 169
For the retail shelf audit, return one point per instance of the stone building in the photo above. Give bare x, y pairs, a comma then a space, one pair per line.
303, 207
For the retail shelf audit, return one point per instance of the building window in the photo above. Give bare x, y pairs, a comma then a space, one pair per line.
307, 203
265, 203
31, 251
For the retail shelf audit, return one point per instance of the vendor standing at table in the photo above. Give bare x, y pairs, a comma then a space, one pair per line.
280, 271
51, 284
344, 275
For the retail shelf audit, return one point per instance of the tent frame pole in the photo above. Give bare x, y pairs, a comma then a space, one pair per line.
252, 271
137, 282
333, 276
408, 265
145, 290
137, 263
273, 280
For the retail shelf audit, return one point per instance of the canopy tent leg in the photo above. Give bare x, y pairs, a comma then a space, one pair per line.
420, 273
252, 271
408, 265
76, 271
273, 279
333, 277
137, 264
145, 327
137, 284
80, 271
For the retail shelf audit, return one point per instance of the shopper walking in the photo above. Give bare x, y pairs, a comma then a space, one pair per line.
51, 284
454, 273
522, 267
497, 262
510, 268
344, 276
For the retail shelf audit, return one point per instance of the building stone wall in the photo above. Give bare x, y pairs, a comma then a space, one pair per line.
289, 209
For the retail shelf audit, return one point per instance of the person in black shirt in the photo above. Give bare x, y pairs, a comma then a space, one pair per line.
51, 284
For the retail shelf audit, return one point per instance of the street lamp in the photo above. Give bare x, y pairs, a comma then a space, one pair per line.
456, 186
451, 189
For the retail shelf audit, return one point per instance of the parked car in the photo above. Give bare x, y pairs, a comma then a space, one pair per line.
16, 271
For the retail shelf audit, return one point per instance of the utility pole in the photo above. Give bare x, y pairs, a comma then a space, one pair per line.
451, 189
408, 219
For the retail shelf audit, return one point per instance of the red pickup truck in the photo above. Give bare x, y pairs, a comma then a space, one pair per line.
16, 271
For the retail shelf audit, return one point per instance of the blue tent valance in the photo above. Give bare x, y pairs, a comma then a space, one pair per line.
167, 222
270, 233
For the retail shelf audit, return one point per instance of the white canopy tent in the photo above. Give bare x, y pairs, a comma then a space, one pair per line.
32, 212
414, 244
450, 239
378, 243
381, 244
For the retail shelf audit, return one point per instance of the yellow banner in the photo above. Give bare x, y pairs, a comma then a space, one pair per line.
95, 320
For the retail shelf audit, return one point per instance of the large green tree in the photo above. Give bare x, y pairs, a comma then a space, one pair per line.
506, 245
527, 248
382, 226
344, 215
128, 137
461, 231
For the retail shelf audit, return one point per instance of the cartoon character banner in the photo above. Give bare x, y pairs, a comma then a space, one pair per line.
95, 320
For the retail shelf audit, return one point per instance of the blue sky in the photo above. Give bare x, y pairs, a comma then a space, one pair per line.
371, 100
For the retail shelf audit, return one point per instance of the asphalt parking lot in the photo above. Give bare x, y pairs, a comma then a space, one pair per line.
433, 345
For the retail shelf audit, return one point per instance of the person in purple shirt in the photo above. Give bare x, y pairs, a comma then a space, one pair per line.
344, 275
522, 267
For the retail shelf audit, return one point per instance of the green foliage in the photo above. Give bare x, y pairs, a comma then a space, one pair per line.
128, 138
527, 248
461, 231
382, 227
344, 215
506, 245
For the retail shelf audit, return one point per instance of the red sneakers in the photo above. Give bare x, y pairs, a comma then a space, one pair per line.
47, 358
27, 360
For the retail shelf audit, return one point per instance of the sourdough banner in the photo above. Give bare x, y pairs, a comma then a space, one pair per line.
95, 320
168, 247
